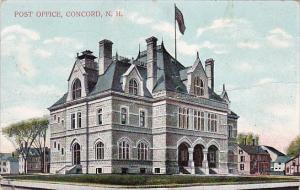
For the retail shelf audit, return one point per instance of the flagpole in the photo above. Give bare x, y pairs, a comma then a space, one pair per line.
175, 32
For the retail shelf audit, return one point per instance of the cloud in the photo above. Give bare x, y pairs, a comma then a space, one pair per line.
63, 41
265, 81
191, 48
138, 19
248, 45
244, 66
216, 25
16, 42
42, 53
278, 38
24, 33
18, 113
156, 25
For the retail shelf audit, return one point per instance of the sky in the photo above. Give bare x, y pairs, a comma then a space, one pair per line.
255, 45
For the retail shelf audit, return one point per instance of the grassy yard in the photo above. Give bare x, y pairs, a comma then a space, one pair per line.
150, 180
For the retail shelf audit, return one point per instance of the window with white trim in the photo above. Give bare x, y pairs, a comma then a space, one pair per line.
198, 87
198, 120
73, 121
76, 89
79, 120
133, 87
99, 116
99, 151
142, 151
183, 117
212, 122
123, 147
124, 115
142, 118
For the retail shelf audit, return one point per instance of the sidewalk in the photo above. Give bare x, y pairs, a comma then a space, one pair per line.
63, 186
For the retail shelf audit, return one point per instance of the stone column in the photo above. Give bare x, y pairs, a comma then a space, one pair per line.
205, 162
191, 161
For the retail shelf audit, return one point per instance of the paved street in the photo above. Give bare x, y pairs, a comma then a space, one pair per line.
20, 185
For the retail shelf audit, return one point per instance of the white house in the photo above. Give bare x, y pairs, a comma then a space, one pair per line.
278, 160
8, 164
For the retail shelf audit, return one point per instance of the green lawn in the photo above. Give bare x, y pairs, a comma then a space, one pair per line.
148, 180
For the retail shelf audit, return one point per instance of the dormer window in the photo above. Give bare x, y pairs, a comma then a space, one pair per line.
76, 89
198, 87
133, 87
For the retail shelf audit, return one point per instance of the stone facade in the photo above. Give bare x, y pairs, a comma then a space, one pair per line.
138, 118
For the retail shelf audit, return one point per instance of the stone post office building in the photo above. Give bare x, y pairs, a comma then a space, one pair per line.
145, 115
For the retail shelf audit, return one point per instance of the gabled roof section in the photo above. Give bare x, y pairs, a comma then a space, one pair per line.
282, 159
77, 62
196, 64
250, 149
130, 69
274, 150
224, 94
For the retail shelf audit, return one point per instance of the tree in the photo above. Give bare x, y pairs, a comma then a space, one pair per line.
24, 134
247, 139
294, 147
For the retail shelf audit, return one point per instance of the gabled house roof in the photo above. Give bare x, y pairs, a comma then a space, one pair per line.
274, 150
250, 149
282, 159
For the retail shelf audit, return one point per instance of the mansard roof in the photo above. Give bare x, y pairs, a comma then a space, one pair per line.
171, 75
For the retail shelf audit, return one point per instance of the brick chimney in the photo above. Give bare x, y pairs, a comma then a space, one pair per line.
151, 63
105, 55
209, 69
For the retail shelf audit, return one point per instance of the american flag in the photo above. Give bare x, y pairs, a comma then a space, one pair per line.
180, 20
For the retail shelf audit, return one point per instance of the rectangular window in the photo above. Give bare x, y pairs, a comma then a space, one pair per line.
98, 170
54, 144
73, 121
58, 119
62, 151
78, 120
124, 170
212, 122
99, 116
123, 116
142, 170
242, 158
58, 146
241, 166
202, 121
230, 131
157, 170
142, 118
4, 163
183, 116
54, 117
208, 122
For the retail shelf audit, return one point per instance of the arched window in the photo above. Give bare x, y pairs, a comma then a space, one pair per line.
99, 151
198, 87
76, 89
133, 87
123, 150
142, 151
76, 154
